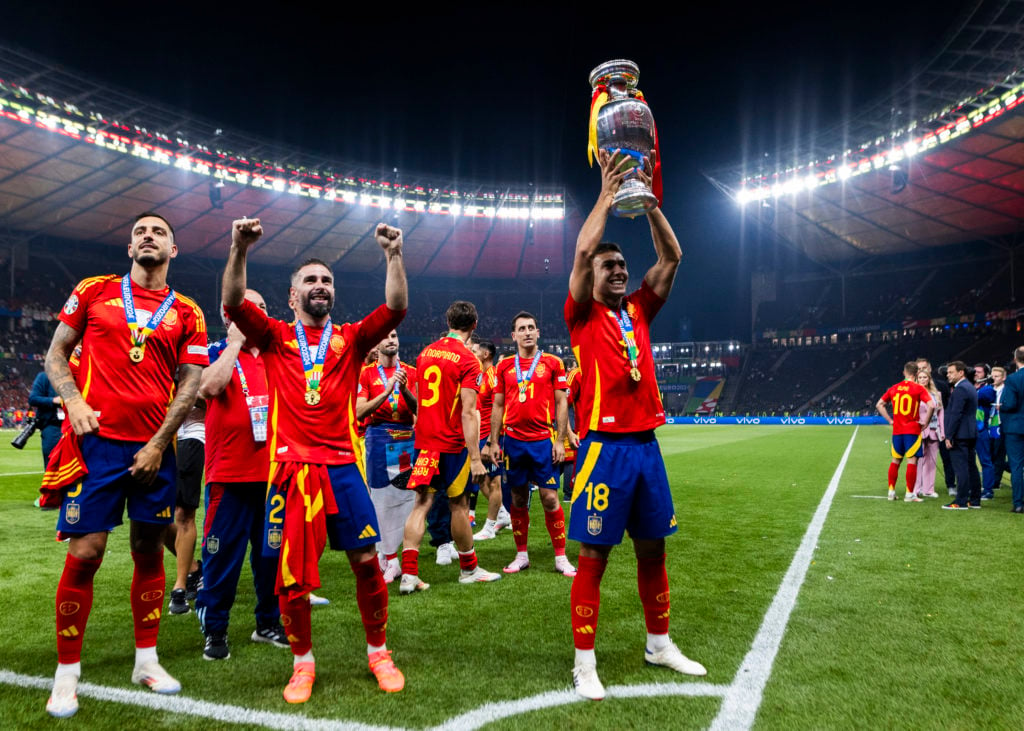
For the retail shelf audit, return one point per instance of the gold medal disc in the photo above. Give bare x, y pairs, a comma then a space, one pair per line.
136, 354
634, 373
312, 397
522, 397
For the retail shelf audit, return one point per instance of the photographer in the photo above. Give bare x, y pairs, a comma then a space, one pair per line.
49, 414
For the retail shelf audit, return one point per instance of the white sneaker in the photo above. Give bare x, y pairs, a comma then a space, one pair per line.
671, 657
485, 534
519, 563
586, 682
318, 601
504, 520
411, 583
154, 677
563, 566
446, 553
912, 498
477, 576
892, 494
63, 702
393, 571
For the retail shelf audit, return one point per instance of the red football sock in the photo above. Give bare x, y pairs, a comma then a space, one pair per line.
585, 600
467, 561
911, 477
894, 472
147, 596
74, 602
411, 562
295, 618
652, 581
555, 522
372, 598
520, 526
391, 556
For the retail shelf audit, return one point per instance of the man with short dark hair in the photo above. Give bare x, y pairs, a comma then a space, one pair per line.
530, 395
1011, 414
141, 341
317, 490
906, 398
447, 446
961, 436
621, 481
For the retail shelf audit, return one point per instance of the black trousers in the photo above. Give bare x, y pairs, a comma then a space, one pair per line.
947, 466
965, 465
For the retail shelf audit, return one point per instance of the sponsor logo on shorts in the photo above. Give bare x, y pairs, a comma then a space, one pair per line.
594, 524
152, 596
212, 544
71, 306
584, 612
551, 481
72, 513
368, 532
662, 598
165, 513
274, 537
337, 344
67, 608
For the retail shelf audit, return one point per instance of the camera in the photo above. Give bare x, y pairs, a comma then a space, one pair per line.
26, 432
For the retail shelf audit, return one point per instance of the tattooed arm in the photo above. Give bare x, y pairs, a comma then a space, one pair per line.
81, 416
148, 459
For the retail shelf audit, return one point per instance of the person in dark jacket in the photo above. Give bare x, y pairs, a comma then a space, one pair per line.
961, 438
46, 402
1011, 421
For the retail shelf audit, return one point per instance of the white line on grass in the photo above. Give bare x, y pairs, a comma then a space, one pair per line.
19, 474
506, 709
871, 497
192, 707
744, 696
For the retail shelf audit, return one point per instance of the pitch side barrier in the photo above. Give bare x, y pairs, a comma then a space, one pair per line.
778, 420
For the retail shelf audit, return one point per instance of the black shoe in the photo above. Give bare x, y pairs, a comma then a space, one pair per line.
974, 506
179, 604
273, 635
216, 646
1018, 509
194, 582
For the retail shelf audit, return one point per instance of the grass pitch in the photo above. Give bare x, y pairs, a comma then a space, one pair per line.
907, 618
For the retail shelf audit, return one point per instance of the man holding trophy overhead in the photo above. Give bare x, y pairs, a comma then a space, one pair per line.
621, 483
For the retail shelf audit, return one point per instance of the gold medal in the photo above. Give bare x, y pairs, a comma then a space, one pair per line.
634, 373
312, 397
522, 397
136, 354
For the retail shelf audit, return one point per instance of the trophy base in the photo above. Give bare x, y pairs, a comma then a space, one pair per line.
633, 200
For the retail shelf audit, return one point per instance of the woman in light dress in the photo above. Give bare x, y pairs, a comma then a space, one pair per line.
931, 434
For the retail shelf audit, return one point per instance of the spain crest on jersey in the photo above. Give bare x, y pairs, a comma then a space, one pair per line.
274, 538
594, 524
72, 513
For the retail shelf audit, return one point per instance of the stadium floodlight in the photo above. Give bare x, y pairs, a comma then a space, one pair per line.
455, 209
365, 199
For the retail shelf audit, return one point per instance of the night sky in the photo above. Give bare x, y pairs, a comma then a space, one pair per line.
501, 93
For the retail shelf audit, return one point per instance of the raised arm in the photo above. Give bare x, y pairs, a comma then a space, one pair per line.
614, 168
661, 276
244, 233
80, 415
396, 289
147, 460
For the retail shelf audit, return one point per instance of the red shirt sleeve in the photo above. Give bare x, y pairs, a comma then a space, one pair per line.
75, 313
887, 396
559, 373
471, 376
253, 322
576, 311
194, 349
374, 327
647, 300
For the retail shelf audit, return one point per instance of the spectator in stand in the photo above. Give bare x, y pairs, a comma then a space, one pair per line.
931, 434
1011, 414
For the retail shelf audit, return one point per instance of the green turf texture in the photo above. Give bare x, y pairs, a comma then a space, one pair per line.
908, 617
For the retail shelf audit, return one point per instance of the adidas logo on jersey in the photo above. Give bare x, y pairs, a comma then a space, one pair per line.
368, 532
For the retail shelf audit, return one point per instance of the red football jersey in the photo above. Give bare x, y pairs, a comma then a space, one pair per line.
572, 383
610, 400
131, 398
232, 455
530, 420
443, 369
906, 398
370, 387
324, 433
485, 401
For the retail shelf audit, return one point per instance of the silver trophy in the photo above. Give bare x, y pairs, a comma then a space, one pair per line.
625, 123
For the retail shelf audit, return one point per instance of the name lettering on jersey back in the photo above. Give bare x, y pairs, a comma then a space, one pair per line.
443, 354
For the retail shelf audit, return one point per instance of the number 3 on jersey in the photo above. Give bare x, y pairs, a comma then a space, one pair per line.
597, 496
432, 380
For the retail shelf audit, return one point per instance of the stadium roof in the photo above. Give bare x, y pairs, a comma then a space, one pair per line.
940, 161
78, 160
